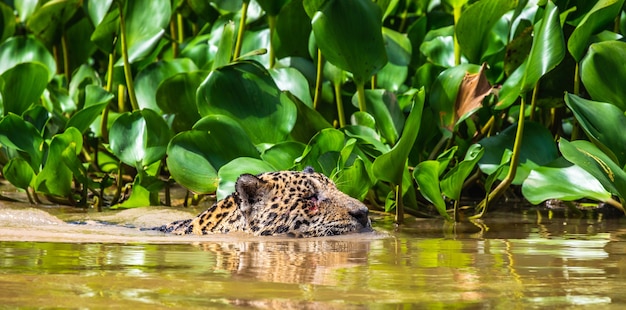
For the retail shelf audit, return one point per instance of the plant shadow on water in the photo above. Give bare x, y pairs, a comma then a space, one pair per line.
535, 258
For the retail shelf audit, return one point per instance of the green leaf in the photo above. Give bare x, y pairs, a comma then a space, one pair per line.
140, 138
48, 21
282, 156
146, 21
229, 173
595, 19
475, 25
290, 79
593, 160
245, 92
149, 79
96, 99
19, 50
349, 34
384, 107
188, 163
327, 141
426, 174
18, 134
293, 28
139, 197
538, 148
603, 123
602, 71
7, 20
97, 9
177, 96
390, 166
25, 8
438, 46
354, 180
226, 45
195, 156
19, 173
23, 85
272, 7
56, 178
564, 181
452, 182
547, 51
548, 48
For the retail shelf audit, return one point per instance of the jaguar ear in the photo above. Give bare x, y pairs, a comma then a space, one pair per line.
250, 190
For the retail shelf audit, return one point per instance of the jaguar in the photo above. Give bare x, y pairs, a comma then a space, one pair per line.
290, 203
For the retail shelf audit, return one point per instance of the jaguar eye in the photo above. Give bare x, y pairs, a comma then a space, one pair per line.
312, 203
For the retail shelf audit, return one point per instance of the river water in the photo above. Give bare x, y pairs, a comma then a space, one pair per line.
526, 259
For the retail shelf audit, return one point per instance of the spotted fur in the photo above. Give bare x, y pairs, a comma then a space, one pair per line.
299, 204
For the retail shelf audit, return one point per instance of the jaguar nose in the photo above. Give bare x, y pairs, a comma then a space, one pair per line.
360, 214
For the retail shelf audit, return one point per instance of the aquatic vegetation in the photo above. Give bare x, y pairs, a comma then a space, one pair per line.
410, 105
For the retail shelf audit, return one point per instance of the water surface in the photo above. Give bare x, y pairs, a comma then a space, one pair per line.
531, 259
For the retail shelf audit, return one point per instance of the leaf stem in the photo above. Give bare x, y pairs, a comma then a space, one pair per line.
242, 25
457, 47
360, 90
533, 102
66, 58
576, 79
318, 79
271, 21
128, 75
399, 204
340, 112
504, 185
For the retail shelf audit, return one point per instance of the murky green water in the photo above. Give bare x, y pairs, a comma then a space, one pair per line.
506, 262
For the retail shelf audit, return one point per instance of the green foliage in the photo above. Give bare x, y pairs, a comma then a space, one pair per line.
101, 92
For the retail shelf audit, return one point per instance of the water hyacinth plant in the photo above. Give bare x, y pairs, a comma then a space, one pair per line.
410, 105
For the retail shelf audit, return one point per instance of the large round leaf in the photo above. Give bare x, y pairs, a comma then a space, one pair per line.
177, 96
140, 138
56, 178
18, 134
293, 26
19, 173
245, 92
97, 9
564, 181
548, 47
230, 172
475, 25
602, 122
195, 156
48, 21
282, 156
23, 85
349, 34
7, 20
593, 160
547, 51
149, 79
19, 50
601, 14
145, 24
603, 71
